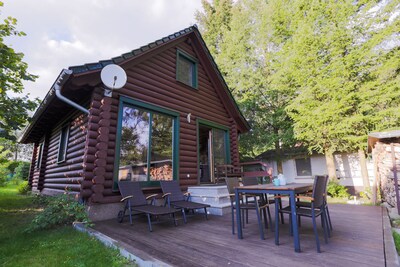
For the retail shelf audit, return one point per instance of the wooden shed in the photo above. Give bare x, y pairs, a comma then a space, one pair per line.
175, 118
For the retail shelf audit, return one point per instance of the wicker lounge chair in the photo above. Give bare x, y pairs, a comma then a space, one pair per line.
135, 201
174, 197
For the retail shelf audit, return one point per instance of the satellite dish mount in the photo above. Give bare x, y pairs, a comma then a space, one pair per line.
113, 78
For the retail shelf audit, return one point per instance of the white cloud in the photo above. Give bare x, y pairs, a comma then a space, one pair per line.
67, 33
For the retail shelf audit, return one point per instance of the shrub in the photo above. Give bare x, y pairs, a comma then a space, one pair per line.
3, 174
337, 190
24, 188
60, 210
22, 170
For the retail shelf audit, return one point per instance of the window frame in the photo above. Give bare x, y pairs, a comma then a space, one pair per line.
194, 61
126, 101
63, 138
40, 156
295, 164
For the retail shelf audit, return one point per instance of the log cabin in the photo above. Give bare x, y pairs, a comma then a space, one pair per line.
175, 118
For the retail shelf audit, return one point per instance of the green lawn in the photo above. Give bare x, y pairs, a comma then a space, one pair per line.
62, 246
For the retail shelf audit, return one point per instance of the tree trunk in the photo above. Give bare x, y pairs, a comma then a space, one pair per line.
279, 157
364, 170
330, 165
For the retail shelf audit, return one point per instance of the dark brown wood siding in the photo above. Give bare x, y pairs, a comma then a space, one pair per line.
66, 175
153, 81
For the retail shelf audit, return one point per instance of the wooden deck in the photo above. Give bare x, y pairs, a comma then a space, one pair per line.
357, 240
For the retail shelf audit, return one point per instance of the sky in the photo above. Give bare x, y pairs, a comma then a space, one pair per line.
61, 34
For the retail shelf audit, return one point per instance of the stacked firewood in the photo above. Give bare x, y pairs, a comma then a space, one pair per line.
161, 173
383, 159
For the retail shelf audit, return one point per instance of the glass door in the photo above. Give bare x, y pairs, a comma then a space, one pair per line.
213, 151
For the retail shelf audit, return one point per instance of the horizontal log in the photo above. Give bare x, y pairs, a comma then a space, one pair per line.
188, 153
101, 154
188, 136
104, 123
96, 198
74, 180
88, 166
98, 188
86, 193
93, 127
78, 153
104, 131
100, 162
77, 173
187, 148
105, 108
72, 187
71, 167
76, 147
98, 179
92, 134
109, 199
99, 171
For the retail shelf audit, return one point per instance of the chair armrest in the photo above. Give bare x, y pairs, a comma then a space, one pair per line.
151, 196
125, 198
187, 195
305, 197
165, 195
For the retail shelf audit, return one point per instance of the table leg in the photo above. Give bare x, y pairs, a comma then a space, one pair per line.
294, 222
238, 215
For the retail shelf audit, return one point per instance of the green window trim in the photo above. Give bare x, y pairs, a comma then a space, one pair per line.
126, 101
63, 144
184, 56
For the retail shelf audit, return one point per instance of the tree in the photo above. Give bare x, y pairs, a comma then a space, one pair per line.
13, 71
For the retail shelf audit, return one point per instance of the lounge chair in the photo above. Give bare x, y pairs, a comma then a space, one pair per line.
174, 197
135, 201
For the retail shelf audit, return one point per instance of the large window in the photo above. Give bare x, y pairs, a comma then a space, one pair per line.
63, 144
186, 69
303, 167
146, 145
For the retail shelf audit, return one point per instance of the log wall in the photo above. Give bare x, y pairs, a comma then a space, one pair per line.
152, 81
68, 175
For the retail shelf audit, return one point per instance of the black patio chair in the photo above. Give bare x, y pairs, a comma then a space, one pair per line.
307, 204
135, 201
316, 209
258, 206
174, 197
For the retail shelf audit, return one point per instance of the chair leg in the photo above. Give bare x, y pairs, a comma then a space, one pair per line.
233, 220
328, 217
280, 207
184, 215
270, 219
325, 226
264, 213
149, 222
130, 210
205, 212
290, 225
173, 217
276, 223
260, 227
316, 233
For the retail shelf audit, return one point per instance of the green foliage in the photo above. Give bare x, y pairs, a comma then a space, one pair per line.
336, 190
24, 188
13, 71
22, 170
396, 238
62, 246
60, 210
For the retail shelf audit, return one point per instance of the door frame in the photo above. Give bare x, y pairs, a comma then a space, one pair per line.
212, 125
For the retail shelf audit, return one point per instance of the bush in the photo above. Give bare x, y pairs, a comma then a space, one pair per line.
24, 188
337, 190
3, 174
22, 170
60, 210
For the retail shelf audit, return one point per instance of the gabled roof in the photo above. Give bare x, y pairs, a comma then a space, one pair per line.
85, 70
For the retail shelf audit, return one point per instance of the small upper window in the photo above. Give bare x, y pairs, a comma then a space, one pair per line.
62, 147
39, 156
303, 167
186, 69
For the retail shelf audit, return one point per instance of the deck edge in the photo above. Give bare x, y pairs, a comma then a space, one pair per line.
391, 257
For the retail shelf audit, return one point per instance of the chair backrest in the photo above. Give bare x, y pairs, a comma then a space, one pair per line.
232, 183
128, 188
250, 181
319, 190
173, 188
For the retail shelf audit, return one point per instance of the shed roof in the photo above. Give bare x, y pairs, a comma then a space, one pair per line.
81, 76
384, 136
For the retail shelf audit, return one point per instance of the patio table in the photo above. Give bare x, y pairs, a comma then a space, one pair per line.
290, 189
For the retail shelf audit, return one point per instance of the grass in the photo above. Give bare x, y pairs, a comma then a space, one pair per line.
396, 238
61, 246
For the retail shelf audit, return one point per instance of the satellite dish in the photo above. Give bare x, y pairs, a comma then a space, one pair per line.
113, 76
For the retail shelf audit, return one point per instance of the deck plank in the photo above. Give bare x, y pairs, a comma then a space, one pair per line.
357, 240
